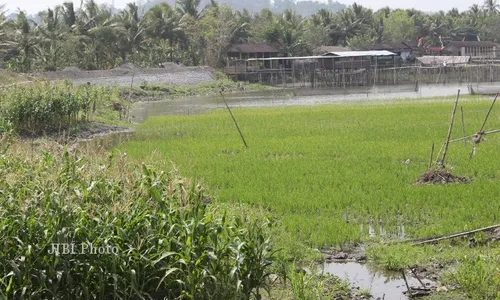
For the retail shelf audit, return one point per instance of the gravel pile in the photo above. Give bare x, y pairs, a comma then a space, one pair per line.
171, 74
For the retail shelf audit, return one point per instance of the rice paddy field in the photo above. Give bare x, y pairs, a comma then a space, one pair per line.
327, 171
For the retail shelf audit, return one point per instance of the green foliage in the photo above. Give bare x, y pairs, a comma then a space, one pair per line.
43, 107
169, 241
96, 37
399, 27
478, 276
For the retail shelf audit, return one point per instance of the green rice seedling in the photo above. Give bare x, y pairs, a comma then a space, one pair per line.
326, 171
478, 276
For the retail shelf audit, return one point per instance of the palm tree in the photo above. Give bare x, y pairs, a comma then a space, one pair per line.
50, 34
190, 8
24, 40
287, 33
69, 14
491, 6
130, 30
5, 41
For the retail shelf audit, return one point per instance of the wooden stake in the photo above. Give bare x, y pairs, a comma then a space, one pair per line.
488, 114
430, 158
406, 282
463, 125
416, 276
473, 152
234, 120
450, 130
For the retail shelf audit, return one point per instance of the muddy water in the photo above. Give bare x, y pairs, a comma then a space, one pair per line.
386, 285
295, 97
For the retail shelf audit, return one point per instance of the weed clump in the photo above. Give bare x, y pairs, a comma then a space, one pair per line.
440, 176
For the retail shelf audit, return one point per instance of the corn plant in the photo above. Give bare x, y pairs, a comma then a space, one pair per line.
44, 107
166, 241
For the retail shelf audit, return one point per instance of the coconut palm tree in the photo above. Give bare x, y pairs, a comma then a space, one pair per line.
129, 30
50, 33
491, 6
24, 40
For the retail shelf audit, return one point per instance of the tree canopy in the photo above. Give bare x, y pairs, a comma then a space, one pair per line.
197, 32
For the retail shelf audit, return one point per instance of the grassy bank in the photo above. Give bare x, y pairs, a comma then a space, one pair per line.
152, 92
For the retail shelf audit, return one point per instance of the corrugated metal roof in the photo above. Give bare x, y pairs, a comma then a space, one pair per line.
441, 60
252, 48
326, 49
331, 55
361, 53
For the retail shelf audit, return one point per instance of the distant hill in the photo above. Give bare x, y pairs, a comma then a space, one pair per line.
304, 7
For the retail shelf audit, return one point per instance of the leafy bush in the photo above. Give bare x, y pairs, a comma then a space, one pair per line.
163, 235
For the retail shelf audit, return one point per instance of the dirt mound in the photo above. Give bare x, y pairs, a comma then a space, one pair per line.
71, 70
171, 66
127, 66
440, 176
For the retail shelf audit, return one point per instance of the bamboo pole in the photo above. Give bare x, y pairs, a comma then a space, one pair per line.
446, 237
463, 125
450, 130
234, 120
432, 154
488, 114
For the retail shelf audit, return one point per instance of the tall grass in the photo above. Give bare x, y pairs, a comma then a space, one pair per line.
43, 107
170, 240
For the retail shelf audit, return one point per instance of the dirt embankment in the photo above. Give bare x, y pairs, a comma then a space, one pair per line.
170, 74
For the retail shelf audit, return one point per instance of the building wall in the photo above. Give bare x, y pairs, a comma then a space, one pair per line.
478, 51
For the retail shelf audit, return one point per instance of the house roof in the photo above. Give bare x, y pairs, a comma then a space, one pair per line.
252, 48
471, 44
326, 49
441, 60
330, 55
360, 53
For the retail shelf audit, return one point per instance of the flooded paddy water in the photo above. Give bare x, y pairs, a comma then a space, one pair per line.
296, 97
381, 285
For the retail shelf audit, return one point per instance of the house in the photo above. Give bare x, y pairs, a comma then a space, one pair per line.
246, 51
407, 51
238, 54
475, 49
327, 49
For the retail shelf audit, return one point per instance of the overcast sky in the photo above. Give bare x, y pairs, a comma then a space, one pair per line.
33, 6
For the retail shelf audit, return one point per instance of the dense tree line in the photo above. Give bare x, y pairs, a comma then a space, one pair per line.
302, 7
99, 37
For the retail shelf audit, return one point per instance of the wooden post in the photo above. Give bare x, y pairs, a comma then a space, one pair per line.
463, 125
234, 120
450, 130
